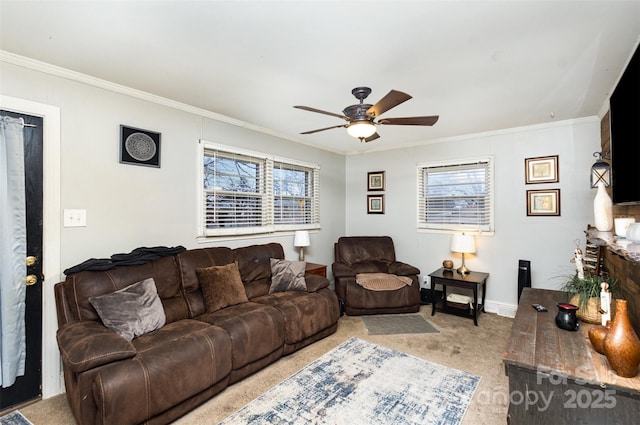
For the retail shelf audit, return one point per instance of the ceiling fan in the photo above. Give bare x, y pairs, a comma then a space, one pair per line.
361, 117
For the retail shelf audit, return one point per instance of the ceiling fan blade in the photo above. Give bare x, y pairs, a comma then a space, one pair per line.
431, 120
391, 100
323, 129
374, 136
308, 108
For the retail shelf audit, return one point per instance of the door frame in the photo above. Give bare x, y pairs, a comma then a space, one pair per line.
52, 380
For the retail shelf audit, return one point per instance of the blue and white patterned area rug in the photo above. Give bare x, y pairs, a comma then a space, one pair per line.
14, 418
363, 383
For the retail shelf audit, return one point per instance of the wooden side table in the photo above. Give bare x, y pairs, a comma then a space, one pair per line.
317, 269
471, 281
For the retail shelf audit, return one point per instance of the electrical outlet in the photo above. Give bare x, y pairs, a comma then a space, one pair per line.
425, 282
75, 218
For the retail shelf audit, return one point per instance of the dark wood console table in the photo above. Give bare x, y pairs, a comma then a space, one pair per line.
556, 377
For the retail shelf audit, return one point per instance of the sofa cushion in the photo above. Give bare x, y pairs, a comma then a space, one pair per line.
221, 286
193, 259
370, 266
254, 263
316, 283
256, 330
131, 311
362, 299
354, 249
305, 314
287, 276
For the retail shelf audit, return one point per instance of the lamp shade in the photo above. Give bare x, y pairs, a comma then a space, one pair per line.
301, 238
361, 129
463, 243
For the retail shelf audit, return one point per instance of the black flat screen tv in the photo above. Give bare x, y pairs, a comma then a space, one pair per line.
624, 107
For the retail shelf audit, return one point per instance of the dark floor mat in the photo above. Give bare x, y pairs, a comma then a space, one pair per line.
389, 324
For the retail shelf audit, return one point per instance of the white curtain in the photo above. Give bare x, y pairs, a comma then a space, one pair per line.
13, 250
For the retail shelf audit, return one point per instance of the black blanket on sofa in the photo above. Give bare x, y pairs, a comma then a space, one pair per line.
136, 257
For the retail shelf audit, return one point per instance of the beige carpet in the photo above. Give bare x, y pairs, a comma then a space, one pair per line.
460, 344
392, 324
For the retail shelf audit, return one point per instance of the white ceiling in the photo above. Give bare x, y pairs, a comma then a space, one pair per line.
480, 65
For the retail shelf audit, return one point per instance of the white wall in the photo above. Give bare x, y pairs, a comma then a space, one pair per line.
548, 242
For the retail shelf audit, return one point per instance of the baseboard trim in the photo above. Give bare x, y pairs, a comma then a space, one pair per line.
501, 309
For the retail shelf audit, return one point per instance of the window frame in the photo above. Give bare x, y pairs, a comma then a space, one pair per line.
435, 227
268, 196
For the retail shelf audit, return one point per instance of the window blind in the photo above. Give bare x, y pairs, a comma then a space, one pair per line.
456, 196
247, 192
295, 196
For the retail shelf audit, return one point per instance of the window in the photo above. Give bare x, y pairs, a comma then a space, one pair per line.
247, 192
295, 200
456, 195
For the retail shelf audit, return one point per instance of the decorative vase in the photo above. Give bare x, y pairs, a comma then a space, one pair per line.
621, 345
602, 209
566, 318
597, 334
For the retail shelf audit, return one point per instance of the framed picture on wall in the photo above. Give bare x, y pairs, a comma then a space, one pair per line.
375, 204
139, 147
543, 202
375, 181
541, 169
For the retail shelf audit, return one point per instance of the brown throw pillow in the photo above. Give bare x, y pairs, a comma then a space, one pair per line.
132, 311
287, 276
221, 286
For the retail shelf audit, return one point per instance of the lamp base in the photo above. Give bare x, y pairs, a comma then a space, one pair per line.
463, 270
301, 257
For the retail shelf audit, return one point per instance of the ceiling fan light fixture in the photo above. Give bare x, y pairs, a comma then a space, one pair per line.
361, 129
362, 118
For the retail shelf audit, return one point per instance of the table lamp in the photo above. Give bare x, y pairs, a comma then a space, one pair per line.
465, 244
300, 240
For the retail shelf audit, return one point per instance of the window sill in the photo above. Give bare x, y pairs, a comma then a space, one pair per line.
451, 231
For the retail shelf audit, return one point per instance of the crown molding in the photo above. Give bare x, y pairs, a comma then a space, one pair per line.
79, 77
512, 130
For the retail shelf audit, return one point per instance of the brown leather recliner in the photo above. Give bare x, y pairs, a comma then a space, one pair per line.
372, 254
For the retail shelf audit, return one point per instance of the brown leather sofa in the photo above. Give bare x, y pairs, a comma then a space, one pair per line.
372, 254
159, 376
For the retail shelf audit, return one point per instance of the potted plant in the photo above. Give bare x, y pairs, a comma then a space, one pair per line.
585, 293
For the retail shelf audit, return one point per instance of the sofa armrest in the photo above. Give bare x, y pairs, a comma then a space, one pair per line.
87, 344
342, 270
403, 269
315, 282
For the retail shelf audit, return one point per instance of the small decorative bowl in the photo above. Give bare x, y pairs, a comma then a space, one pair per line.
447, 264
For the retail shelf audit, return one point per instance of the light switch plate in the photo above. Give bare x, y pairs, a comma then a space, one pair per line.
75, 218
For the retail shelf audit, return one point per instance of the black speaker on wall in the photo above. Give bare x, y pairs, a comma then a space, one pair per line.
524, 276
